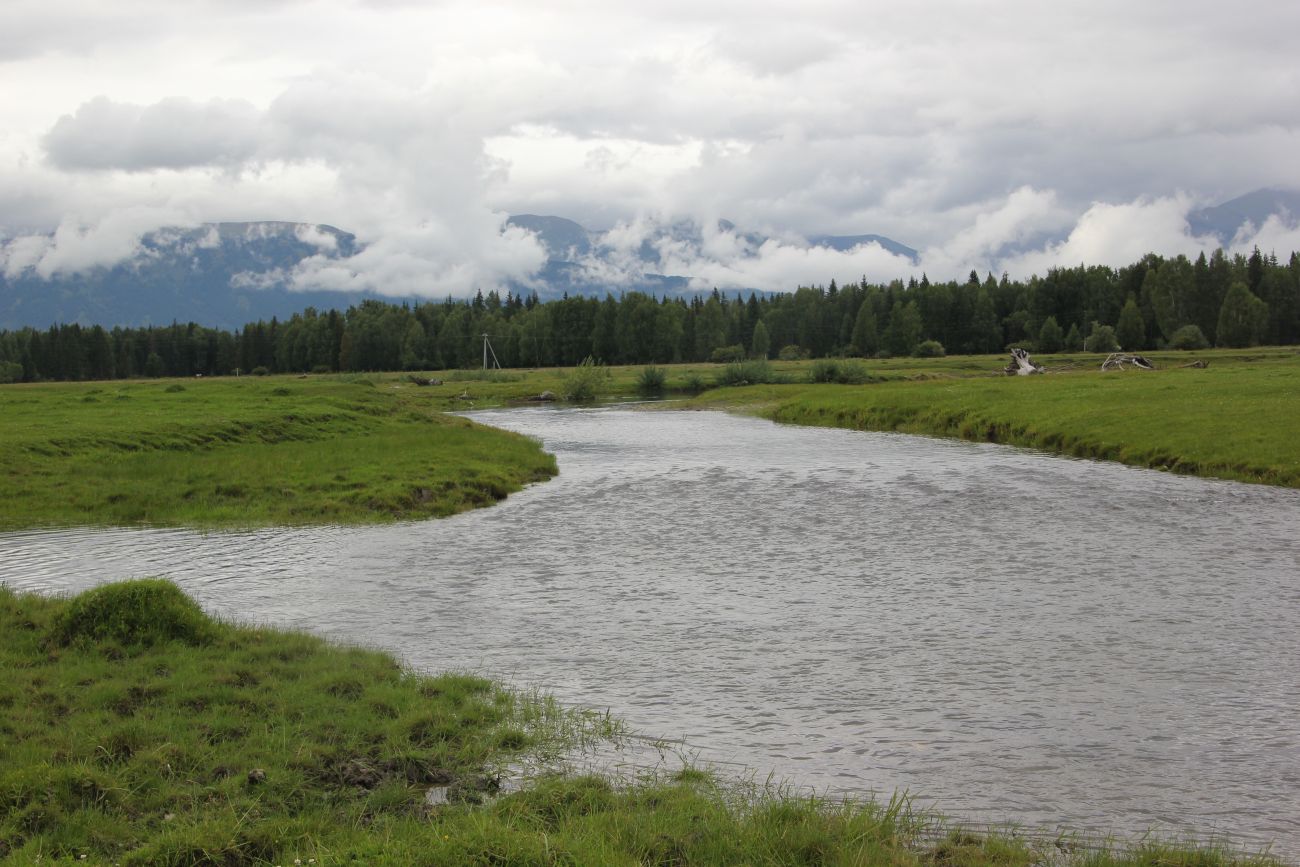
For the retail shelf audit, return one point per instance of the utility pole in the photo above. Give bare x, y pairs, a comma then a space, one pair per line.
487, 347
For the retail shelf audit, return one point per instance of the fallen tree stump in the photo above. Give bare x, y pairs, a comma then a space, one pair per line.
1020, 364
1123, 361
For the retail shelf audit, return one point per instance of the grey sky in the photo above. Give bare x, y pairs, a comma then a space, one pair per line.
955, 127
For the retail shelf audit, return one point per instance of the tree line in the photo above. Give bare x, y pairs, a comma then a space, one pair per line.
1154, 303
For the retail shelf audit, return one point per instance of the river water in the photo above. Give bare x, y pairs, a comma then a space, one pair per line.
1005, 635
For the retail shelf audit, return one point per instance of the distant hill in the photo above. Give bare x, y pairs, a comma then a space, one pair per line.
219, 274
227, 274
845, 243
1224, 220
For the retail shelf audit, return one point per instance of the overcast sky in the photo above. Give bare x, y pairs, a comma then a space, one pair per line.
953, 127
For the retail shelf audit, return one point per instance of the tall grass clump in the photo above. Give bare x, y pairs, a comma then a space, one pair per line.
839, 370
650, 381
586, 381
694, 383
752, 372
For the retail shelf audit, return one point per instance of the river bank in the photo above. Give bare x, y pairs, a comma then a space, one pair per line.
270, 451
245, 452
140, 731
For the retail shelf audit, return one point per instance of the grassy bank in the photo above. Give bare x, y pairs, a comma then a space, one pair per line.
137, 731
1236, 419
337, 449
245, 452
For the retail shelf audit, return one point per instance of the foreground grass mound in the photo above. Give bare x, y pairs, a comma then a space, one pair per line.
201, 743
159, 736
246, 452
133, 613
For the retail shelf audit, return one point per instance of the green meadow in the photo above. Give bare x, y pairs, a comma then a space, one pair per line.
136, 730
1235, 419
245, 452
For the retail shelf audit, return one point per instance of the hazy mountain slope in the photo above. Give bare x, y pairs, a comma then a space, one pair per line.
227, 274
1224, 220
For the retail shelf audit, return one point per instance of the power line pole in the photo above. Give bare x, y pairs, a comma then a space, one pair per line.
487, 347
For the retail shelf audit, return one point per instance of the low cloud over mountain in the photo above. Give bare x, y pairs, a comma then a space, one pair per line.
126, 272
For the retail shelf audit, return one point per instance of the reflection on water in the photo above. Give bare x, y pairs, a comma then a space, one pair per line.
1005, 634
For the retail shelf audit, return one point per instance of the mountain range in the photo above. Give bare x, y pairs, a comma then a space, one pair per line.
227, 274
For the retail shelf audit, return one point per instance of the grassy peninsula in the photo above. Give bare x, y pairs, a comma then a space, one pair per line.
245, 452
135, 730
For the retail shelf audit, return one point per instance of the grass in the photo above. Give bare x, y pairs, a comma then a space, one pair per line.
136, 731
1235, 419
246, 452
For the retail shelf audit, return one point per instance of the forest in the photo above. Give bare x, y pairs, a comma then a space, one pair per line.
1155, 303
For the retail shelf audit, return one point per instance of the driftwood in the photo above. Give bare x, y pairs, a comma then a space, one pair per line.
544, 396
1123, 361
1198, 364
420, 380
1020, 364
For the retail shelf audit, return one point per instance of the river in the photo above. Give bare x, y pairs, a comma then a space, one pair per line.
1004, 634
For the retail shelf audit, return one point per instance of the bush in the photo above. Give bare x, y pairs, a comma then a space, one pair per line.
839, 371
260, 370
134, 613
1189, 337
824, 370
792, 352
650, 382
1102, 339
584, 382
11, 371
724, 354
746, 373
928, 349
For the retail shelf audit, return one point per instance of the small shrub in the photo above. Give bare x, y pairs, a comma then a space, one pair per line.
174, 388
694, 383
10, 371
1189, 337
792, 352
824, 370
260, 370
134, 613
725, 354
928, 349
650, 382
585, 381
746, 373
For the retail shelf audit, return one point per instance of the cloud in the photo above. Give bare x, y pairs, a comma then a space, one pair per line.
176, 133
1009, 133
78, 246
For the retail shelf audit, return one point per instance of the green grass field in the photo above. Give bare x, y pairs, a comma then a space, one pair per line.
1236, 419
245, 452
135, 730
